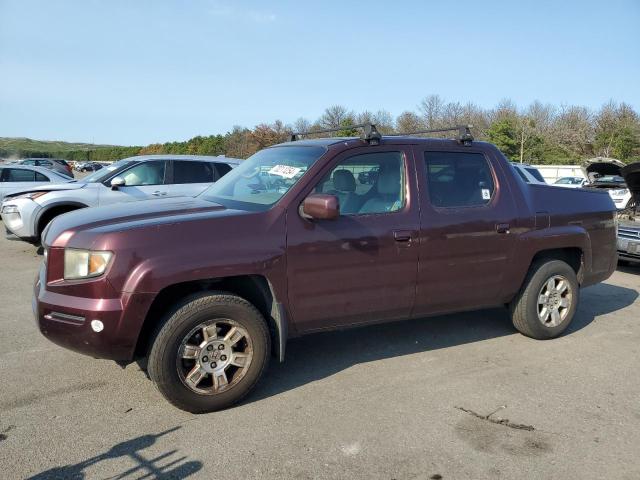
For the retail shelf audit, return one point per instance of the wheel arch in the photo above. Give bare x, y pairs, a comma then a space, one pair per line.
256, 289
51, 211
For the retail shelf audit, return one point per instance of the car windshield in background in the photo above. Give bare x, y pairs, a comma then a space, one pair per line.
262, 179
610, 179
100, 175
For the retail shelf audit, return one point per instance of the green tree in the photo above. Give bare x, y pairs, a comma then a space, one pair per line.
504, 134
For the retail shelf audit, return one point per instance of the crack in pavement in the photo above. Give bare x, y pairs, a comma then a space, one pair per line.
498, 421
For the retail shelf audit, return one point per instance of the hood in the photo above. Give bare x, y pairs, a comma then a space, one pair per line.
71, 185
631, 174
130, 215
601, 166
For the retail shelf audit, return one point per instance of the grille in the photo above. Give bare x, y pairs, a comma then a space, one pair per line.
629, 233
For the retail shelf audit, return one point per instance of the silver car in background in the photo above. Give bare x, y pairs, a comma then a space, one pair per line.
27, 212
18, 177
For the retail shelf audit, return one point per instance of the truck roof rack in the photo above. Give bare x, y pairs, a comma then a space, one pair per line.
369, 133
464, 133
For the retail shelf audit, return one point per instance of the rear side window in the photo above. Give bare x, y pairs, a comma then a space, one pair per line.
192, 172
17, 175
522, 175
458, 179
41, 178
535, 173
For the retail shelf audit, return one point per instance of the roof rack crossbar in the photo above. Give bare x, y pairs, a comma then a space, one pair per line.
369, 134
464, 133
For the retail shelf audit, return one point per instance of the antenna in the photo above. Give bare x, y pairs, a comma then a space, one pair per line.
369, 134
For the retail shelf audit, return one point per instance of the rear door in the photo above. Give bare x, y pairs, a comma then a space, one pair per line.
466, 244
143, 180
360, 267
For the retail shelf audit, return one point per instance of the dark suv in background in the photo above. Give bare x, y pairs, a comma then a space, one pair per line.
290, 243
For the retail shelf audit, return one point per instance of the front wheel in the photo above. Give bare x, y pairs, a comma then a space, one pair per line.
210, 353
547, 301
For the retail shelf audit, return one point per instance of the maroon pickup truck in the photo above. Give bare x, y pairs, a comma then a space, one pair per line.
310, 235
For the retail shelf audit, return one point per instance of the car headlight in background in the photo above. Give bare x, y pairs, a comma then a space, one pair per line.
620, 192
31, 195
80, 264
10, 209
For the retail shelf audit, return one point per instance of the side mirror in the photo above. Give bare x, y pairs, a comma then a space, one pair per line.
321, 206
117, 182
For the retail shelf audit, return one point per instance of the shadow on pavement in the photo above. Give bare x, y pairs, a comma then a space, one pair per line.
174, 468
321, 355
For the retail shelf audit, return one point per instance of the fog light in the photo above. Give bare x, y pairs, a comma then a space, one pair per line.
97, 325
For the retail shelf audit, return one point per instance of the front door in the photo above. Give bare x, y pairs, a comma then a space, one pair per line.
360, 267
142, 181
466, 243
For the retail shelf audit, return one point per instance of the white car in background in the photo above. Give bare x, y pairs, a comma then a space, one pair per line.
528, 173
570, 182
606, 173
18, 177
27, 212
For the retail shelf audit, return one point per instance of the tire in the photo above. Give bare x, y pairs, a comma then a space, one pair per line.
525, 309
182, 334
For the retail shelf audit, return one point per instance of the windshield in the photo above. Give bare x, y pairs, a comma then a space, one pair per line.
100, 175
262, 179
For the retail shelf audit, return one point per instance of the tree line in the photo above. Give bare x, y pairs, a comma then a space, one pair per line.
539, 133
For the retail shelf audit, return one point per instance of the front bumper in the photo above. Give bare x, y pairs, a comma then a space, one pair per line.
66, 321
19, 217
629, 249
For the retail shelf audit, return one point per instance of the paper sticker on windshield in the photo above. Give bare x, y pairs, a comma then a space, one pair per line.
284, 171
486, 194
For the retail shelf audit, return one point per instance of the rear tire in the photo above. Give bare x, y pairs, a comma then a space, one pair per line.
548, 300
210, 352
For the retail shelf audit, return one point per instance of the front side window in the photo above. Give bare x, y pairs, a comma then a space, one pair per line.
17, 175
146, 173
261, 180
103, 173
192, 172
458, 179
367, 184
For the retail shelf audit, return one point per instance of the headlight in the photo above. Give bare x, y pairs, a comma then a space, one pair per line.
10, 209
31, 195
84, 263
623, 191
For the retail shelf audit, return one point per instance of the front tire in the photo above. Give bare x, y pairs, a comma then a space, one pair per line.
210, 352
547, 301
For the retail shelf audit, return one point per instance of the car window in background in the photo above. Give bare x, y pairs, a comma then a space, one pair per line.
222, 169
192, 172
17, 175
262, 179
521, 174
104, 173
535, 173
28, 162
146, 173
41, 178
458, 179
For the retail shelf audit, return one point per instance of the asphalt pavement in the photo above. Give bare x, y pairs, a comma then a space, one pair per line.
453, 397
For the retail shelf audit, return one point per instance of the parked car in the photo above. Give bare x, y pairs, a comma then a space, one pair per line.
606, 174
18, 177
58, 165
91, 167
208, 287
570, 182
528, 173
629, 222
27, 212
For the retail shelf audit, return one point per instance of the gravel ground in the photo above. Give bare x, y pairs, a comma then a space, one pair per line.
455, 397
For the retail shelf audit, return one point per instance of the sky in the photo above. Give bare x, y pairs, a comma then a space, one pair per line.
138, 72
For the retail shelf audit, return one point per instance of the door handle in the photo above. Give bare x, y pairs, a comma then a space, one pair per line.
402, 235
158, 193
502, 228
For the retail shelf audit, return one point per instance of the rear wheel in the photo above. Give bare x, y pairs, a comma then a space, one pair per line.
548, 300
210, 353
